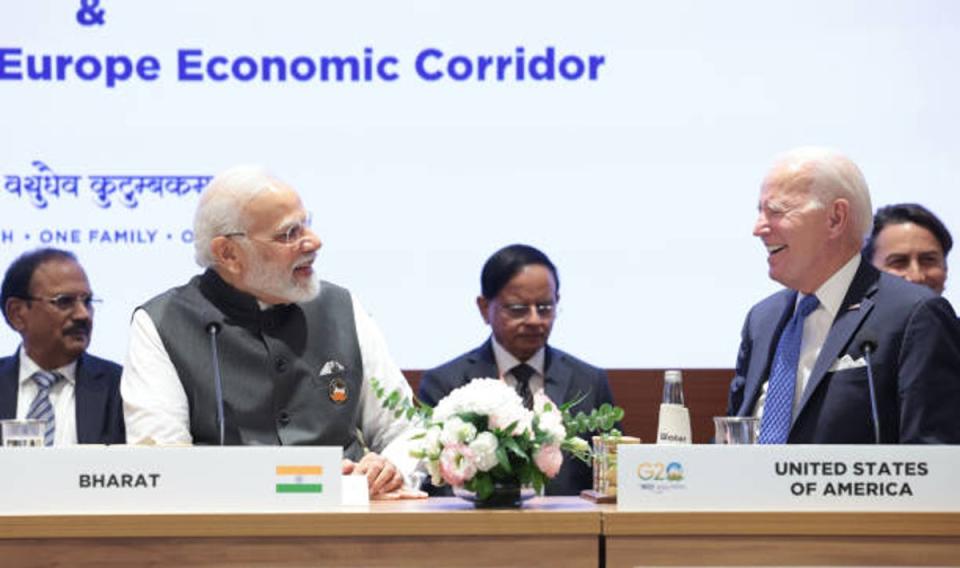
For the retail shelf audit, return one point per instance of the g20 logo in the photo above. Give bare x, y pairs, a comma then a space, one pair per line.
658, 471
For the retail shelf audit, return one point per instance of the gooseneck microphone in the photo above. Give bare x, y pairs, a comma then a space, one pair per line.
213, 329
867, 346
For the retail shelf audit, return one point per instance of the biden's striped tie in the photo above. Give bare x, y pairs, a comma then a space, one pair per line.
778, 407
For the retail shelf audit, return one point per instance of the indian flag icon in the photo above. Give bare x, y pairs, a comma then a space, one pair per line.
299, 479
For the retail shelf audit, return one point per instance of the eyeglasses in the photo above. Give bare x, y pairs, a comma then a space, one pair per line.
522, 311
290, 235
66, 302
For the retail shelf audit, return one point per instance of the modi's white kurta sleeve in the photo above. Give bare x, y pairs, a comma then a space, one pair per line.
383, 433
155, 405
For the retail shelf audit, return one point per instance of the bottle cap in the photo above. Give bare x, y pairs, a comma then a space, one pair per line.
673, 376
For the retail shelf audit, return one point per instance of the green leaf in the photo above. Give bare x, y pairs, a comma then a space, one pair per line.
478, 420
483, 486
538, 484
512, 445
508, 431
502, 458
394, 399
574, 401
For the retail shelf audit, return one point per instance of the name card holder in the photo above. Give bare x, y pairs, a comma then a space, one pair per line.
788, 478
130, 479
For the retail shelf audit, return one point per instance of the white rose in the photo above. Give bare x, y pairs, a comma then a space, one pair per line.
457, 431
484, 449
577, 445
433, 468
551, 423
430, 443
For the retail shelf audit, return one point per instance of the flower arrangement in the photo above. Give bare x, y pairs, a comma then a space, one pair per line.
481, 435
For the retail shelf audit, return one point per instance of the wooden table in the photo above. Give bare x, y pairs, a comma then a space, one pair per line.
787, 538
437, 532
553, 531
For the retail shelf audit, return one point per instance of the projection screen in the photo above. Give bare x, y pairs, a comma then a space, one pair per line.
625, 139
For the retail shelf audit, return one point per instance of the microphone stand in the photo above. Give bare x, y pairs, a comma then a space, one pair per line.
213, 328
868, 347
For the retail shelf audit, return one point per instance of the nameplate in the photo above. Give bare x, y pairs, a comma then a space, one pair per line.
788, 478
129, 479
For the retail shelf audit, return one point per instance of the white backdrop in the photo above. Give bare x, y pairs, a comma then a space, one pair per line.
641, 185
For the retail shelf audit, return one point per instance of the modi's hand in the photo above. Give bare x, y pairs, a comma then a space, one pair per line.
400, 494
382, 476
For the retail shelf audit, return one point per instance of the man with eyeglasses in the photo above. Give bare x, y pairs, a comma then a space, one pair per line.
296, 355
46, 299
519, 295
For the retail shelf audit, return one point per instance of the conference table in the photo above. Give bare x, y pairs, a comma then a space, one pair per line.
547, 531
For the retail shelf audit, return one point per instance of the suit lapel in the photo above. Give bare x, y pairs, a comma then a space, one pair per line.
482, 364
9, 385
765, 339
856, 306
91, 401
558, 375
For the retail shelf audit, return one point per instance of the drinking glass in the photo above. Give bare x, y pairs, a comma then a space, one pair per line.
21, 433
736, 429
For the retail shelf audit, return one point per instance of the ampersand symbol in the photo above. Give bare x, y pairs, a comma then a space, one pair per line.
88, 14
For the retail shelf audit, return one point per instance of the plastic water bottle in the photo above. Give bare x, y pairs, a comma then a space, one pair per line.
674, 427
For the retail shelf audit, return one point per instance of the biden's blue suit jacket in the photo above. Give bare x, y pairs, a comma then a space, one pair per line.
566, 378
97, 391
916, 365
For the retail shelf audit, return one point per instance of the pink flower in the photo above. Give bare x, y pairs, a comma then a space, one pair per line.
549, 458
456, 464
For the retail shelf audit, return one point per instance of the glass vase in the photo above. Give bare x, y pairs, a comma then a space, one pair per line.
506, 495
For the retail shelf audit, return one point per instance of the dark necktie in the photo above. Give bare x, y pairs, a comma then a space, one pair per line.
522, 373
41, 408
778, 407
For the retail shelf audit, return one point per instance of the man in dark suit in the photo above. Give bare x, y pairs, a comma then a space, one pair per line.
519, 286
805, 351
46, 298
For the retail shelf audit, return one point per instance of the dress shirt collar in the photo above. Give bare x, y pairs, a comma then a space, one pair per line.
506, 361
832, 292
28, 367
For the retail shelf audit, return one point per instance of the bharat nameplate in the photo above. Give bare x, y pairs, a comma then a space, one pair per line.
127, 479
788, 478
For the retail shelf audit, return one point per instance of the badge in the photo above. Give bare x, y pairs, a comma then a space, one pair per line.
331, 367
337, 389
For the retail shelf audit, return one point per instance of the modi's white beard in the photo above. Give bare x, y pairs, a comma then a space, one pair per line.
272, 281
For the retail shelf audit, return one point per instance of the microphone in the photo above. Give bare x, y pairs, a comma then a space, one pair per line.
213, 329
867, 346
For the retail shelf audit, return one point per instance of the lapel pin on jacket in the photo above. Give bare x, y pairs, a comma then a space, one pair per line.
337, 390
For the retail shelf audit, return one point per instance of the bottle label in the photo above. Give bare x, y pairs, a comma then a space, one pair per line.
674, 425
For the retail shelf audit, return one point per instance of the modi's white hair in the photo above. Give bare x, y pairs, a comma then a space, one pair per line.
220, 210
832, 175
